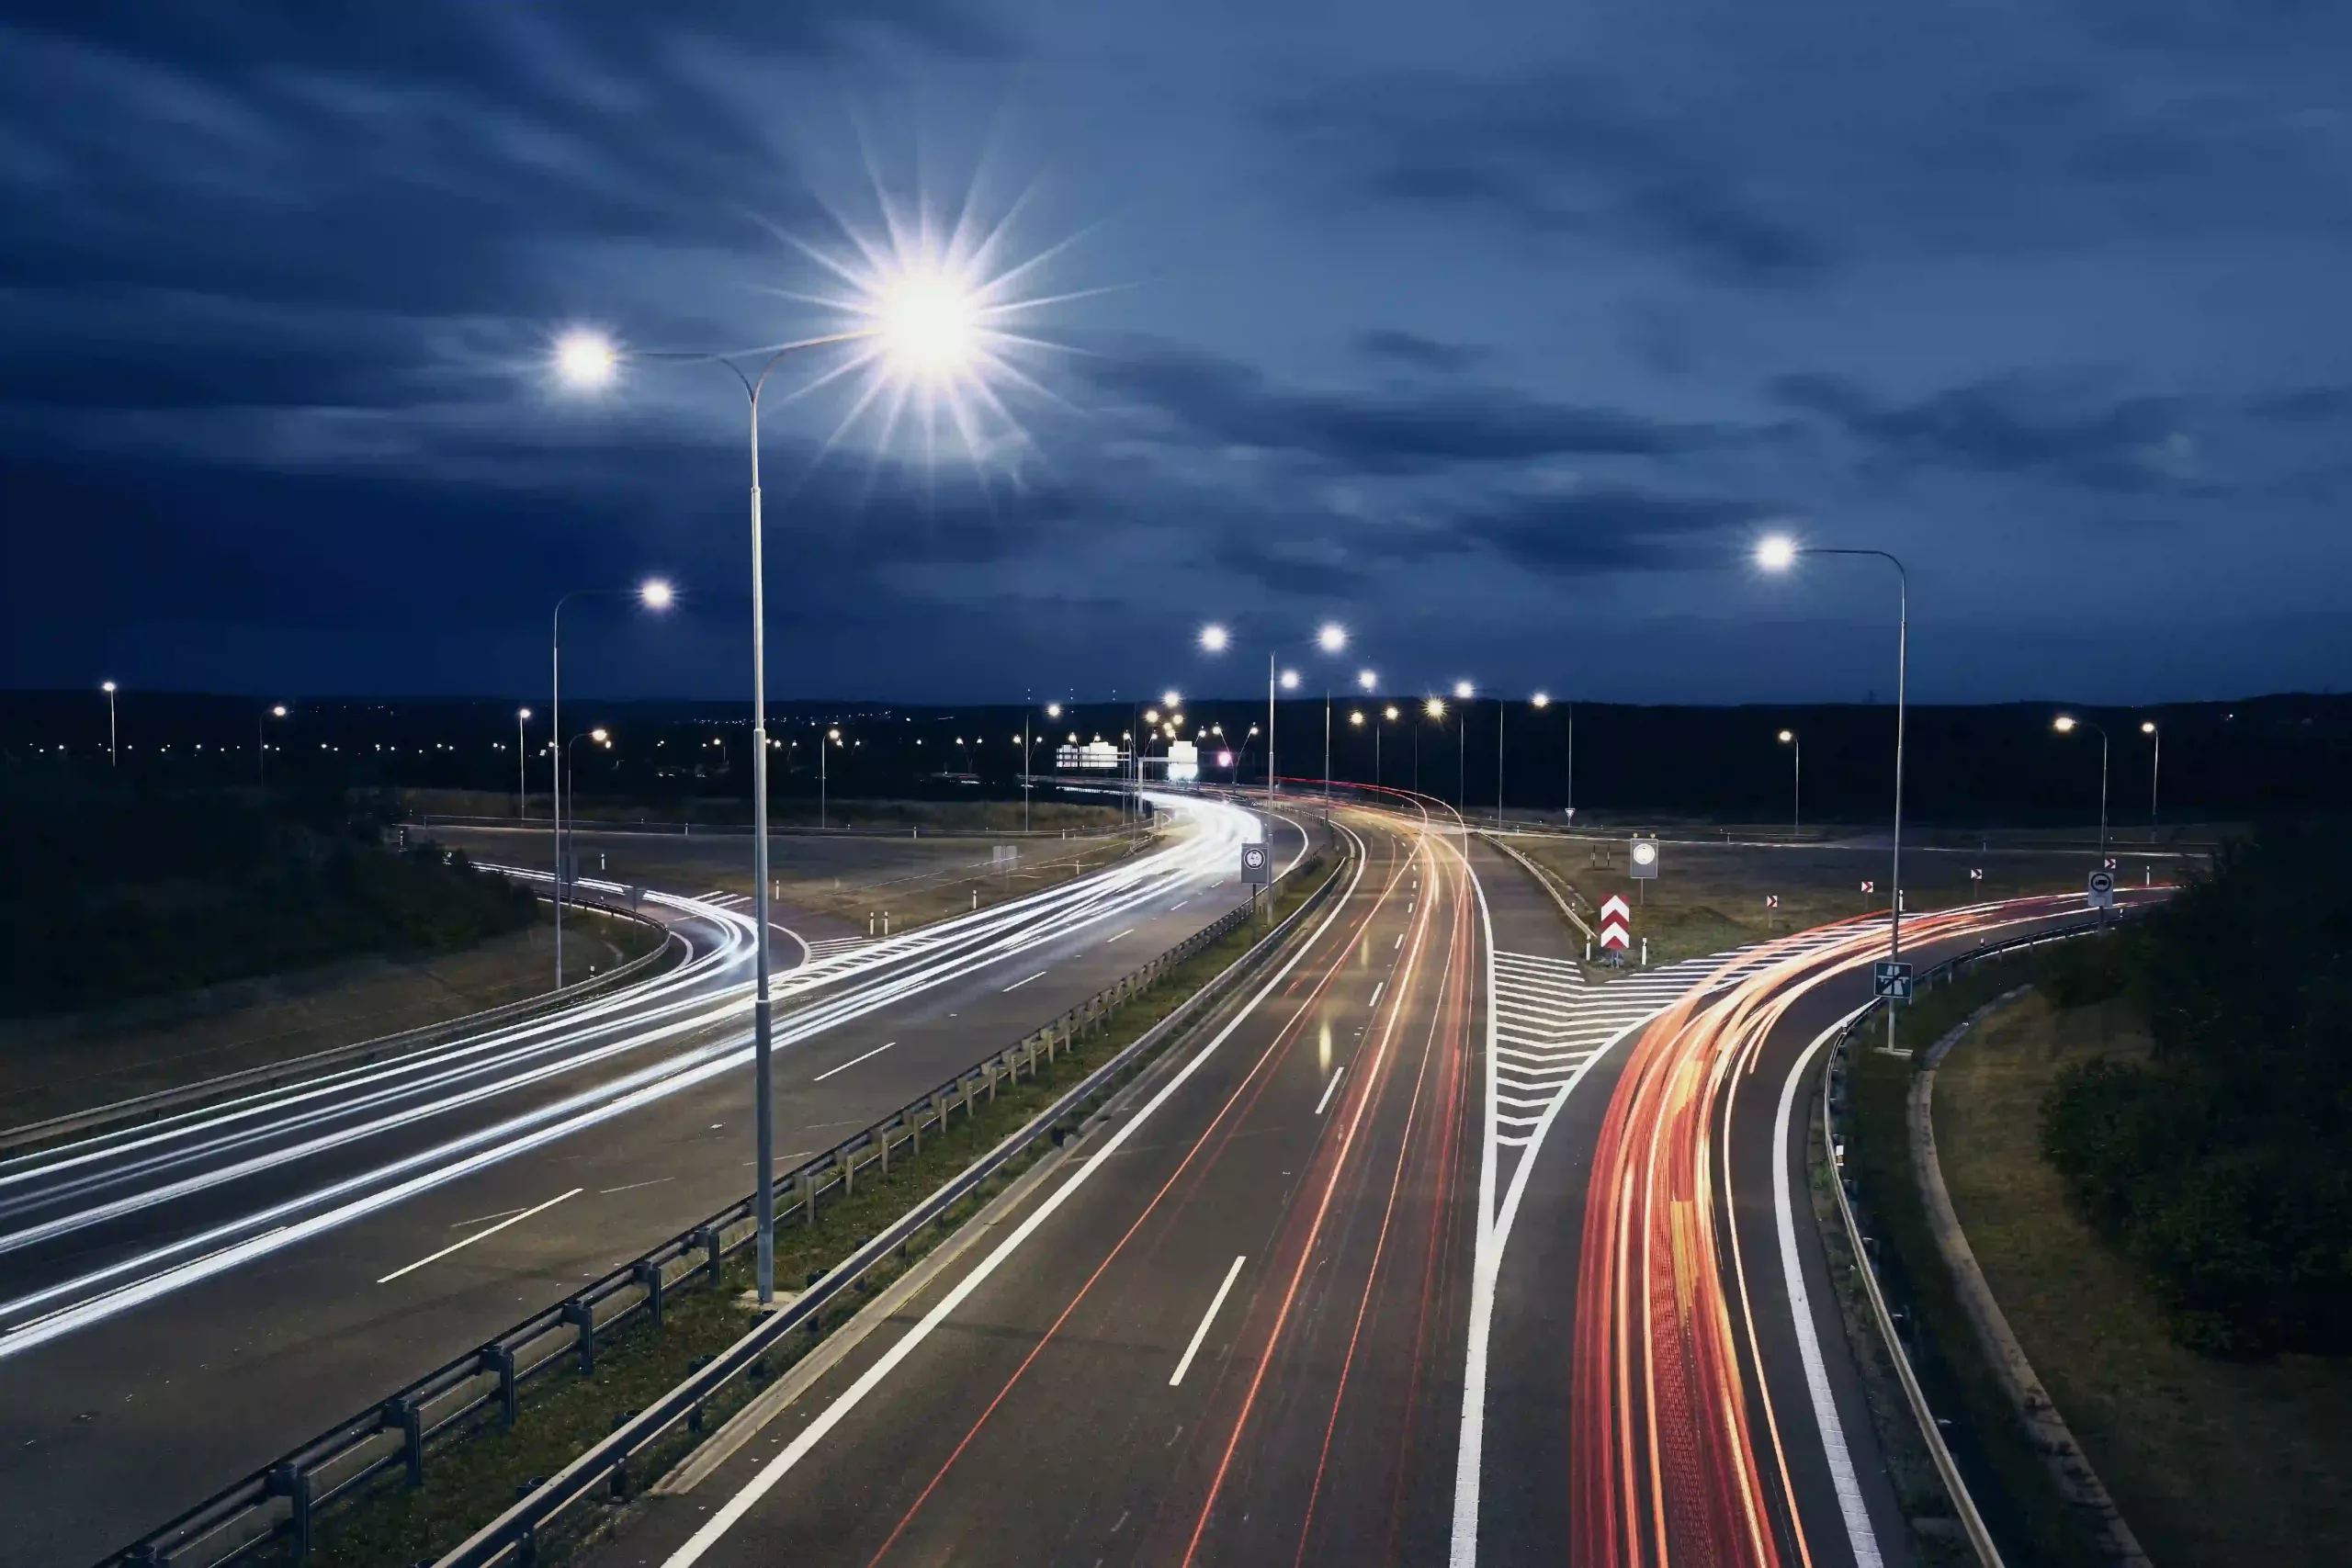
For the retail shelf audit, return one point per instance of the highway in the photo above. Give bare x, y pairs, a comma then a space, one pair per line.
1434, 1250
182, 1301
1228, 1330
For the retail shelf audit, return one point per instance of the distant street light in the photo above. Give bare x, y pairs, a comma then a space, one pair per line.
1778, 552
522, 778
2155, 765
108, 687
261, 740
654, 593
1796, 782
2066, 723
1366, 681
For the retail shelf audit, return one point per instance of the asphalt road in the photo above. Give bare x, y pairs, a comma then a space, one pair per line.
1230, 1329
183, 1303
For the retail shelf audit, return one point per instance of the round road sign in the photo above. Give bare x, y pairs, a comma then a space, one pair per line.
1644, 852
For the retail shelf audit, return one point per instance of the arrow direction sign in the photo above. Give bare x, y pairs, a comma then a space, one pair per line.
1616, 917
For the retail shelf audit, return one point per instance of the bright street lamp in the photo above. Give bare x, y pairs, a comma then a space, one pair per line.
1170, 700
1215, 638
2066, 723
1367, 680
1778, 552
1796, 782
586, 361
1332, 637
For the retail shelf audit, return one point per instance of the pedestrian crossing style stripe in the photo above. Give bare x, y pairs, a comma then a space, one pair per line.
725, 900
832, 945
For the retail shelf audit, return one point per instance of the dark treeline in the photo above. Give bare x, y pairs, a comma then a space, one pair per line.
113, 888
1965, 764
2224, 1165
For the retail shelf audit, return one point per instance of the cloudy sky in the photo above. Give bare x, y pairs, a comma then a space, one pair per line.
1499, 332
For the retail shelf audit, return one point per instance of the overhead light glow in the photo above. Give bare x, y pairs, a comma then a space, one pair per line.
2063, 724
1463, 691
1367, 679
585, 361
1214, 637
1434, 707
656, 594
1787, 736
1776, 552
1331, 637
1290, 680
1170, 700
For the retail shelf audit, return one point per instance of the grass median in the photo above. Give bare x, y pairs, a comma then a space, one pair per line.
474, 1473
2006, 1474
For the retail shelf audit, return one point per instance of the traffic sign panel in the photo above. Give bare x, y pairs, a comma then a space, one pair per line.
1616, 917
1771, 900
1870, 886
2102, 889
1644, 859
1891, 978
1257, 869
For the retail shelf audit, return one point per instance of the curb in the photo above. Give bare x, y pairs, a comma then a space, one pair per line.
2069, 1467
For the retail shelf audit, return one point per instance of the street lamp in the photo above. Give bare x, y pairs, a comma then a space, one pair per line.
832, 737
108, 687
928, 325
654, 593
1778, 552
1796, 782
2066, 723
1330, 637
2155, 765
1465, 693
522, 778
261, 743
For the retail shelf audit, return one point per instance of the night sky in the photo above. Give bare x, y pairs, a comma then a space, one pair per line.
1498, 332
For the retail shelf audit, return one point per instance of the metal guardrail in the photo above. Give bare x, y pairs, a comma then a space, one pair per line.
1980, 1537
271, 1074
283, 1500
649, 827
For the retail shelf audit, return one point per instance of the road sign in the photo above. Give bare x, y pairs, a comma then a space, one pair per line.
1771, 900
1616, 918
2102, 890
1892, 978
1257, 868
1870, 886
1644, 860
1976, 873
2109, 863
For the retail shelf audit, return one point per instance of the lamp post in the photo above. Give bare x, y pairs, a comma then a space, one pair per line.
931, 329
1465, 693
1796, 782
261, 740
522, 778
2155, 766
1331, 637
1387, 717
108, 687
824, 748
2066, 723
564, 757
654, 593
1779, 553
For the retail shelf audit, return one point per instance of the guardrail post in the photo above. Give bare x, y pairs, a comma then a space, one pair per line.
408, 1417
807, 1197
583, 1315
708, 1239
883, 1138
648, 1274
846, 1157
294, 1485
501, 1360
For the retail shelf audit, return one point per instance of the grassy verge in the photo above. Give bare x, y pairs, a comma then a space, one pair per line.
2005, 1472
474, 1475
1709, 897
2213, 1461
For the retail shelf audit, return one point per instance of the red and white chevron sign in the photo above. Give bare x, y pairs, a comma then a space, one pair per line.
1615, 918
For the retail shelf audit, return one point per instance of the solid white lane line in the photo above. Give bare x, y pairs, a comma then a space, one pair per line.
1207, 1318
481, 1219
1018, 984
1108, 940
1860, 1536
853, 1061
493, 1230
1329, 1086
1377, 990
